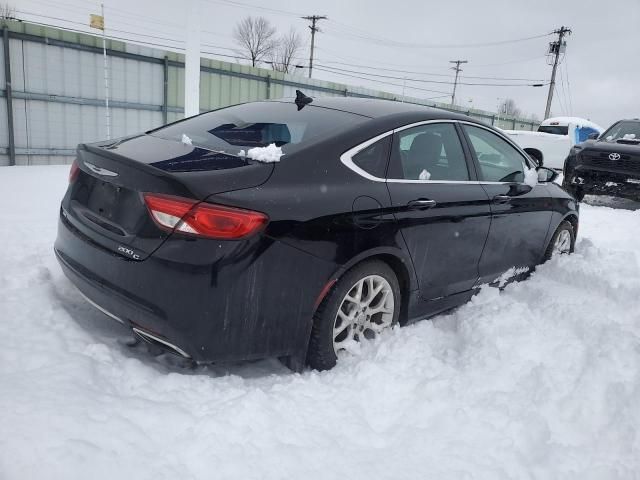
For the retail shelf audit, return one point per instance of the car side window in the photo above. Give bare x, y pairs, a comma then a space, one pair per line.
373, 159
499, 161
428, 152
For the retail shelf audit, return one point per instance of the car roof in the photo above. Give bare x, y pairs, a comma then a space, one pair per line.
376, 108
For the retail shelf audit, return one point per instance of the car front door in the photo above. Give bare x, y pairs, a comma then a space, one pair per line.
442, 211
520, 214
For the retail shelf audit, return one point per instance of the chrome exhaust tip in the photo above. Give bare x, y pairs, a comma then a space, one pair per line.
160, 342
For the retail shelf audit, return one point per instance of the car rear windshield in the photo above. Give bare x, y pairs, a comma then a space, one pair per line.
554, 129
258, 124
622, 131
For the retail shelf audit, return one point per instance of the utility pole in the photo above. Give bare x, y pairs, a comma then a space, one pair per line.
555, 49
313, 19
455, 82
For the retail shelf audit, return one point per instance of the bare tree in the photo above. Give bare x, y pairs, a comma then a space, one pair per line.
286, 49
508, 107
255, 37
7, 12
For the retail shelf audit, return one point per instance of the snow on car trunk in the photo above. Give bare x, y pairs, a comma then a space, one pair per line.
541, 380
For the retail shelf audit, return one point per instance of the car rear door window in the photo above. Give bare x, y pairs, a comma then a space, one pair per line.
429, 152
373, 159
499, 161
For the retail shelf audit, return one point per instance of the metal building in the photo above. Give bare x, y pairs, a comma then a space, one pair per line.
57, 93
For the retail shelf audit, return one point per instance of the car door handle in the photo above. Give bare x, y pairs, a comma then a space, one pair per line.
501, 199
421, 204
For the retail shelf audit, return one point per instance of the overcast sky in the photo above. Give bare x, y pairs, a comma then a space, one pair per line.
598, 79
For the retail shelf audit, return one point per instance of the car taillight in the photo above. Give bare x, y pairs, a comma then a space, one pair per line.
73, 172
203, 219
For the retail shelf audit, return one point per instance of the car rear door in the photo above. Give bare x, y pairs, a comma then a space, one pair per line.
442, 211
520, 214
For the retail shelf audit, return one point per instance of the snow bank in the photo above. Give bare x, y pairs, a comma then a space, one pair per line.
267, 154
539, 381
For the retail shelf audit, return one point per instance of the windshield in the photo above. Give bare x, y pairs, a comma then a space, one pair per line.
624, 130
258, 124
554, 129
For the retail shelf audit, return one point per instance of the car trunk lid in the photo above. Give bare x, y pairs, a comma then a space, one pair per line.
105, 202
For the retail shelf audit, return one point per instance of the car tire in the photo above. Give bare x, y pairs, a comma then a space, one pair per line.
560, 237
324, 343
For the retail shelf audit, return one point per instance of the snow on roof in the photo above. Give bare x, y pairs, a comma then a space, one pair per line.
575, 120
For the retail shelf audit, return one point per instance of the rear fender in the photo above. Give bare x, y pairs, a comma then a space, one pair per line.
399, 255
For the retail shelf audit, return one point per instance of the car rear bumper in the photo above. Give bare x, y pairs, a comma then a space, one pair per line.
108, 301
596, 182
211, 303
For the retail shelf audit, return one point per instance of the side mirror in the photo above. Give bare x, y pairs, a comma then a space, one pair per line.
546, 175
593, 136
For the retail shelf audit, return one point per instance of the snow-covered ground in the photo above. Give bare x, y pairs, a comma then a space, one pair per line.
539, 381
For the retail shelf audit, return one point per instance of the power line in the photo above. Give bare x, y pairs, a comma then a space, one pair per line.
110, 29
422, 80
396, 43
511, 62
112, 12
566, 71
564, 110
430, 73
564, 92
111, 37
233, 3
143, 42
139, 41
368, 37
444, 94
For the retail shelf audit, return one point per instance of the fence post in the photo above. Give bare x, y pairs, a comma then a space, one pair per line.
165, 91
9, 92
514, 123
268, 80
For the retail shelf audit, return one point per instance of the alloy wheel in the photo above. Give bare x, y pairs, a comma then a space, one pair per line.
562, 243
366, 310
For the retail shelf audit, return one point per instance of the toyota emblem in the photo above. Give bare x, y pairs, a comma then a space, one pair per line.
614, 156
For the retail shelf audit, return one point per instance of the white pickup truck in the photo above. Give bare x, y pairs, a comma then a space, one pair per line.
550, 145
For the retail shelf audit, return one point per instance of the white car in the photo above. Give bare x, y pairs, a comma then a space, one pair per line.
550, 145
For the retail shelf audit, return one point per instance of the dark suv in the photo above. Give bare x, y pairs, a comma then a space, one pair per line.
607, 165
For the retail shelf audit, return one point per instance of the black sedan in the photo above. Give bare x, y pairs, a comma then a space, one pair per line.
293, 228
